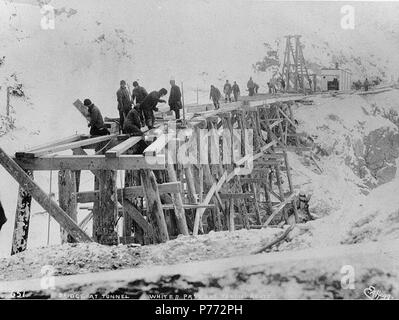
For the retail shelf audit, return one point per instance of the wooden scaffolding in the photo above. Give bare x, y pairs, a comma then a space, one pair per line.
295, 72
241, 179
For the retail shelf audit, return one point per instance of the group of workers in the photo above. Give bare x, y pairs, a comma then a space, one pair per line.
136, 109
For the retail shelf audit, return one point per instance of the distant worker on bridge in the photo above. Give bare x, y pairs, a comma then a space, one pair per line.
124, 102
149, 105
138, 96
256, 88
251, 87
96, 125
236, 91
174, 102
215, 96
227, 91
366, 85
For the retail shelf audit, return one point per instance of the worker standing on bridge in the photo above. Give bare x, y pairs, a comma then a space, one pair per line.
124, 102
215, 96
251, 87
227, 91
96, 125
149, 105
256, 88
366, 85
236, 91
174, 102
138, 96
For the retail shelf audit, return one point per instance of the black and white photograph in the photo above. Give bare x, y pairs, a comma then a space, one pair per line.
173, 151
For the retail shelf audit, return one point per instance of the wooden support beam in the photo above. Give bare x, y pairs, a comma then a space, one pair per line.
129, 192
154, 206
51, 144
67, 199
279, 209
136, 215
122, 147
178, 203
231, 215
225, 196
67, 146
90, 162
22, 220
105, 219
42, 198
189, 206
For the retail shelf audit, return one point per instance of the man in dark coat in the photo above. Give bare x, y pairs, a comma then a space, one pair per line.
96, 120
366, 85
174, 102
3, 218
149, 105
124, 102
251, 87
236, 91
215, 95
227, 91
132, 122
138, 96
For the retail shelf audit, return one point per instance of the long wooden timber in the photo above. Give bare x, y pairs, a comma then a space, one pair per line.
91, 162
130, 192
67, 146
72, 138
42, 198
122, 147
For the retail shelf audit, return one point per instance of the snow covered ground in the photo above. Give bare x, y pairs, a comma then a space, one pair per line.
203, 42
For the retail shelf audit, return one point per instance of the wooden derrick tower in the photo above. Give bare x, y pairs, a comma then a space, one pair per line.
295, 73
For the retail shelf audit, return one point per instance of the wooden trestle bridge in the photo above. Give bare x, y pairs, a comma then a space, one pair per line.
237, 177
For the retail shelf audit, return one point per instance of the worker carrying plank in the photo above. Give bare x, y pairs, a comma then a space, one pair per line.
96, 124
149, 105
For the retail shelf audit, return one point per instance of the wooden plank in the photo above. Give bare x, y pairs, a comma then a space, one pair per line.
122, 147
73, 138
154, 206
200, 211
130, 192
69, 146
156, 147
189, 206
82, 109
104, 220
136, 215
91, 162
67, 199
42, 198
225, 196
252, 157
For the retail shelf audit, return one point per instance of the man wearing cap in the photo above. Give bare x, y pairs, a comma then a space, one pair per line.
138, 96
124, 102
175, 103
149, 105
97, 127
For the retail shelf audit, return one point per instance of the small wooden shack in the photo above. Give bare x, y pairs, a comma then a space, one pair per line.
335, 79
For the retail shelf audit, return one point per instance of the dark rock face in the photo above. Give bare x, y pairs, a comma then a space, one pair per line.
381, 152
